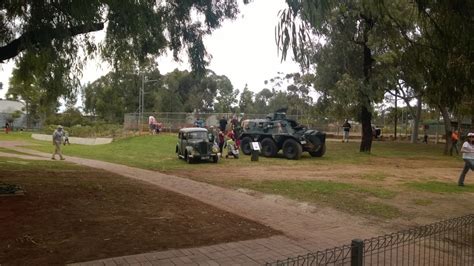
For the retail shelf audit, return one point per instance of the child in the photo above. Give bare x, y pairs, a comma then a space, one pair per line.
232, 149
66, 138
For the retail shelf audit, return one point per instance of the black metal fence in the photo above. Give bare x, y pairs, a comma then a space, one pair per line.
449, 242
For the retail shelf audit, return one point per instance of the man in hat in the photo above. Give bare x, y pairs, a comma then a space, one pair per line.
467, 151
57, 141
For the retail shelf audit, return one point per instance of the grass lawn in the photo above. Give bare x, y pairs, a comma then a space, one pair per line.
72, 213
397, 181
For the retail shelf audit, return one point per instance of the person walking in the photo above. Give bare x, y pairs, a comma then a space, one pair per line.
7, 127
57, 141
467, 151
454, 142
346, 127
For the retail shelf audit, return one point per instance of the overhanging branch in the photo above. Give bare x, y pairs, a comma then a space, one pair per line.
36, 37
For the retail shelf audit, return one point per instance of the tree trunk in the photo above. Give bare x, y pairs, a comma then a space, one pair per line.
447, 128
416, 124
365, 114
366, 118
396, 115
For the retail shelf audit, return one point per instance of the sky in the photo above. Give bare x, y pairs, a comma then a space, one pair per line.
244, 50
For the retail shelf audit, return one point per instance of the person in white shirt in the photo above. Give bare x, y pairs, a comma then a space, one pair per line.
152, 124
467, 151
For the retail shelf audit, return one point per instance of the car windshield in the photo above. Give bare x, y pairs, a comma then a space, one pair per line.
197, 135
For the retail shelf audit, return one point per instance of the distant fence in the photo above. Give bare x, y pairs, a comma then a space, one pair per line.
174, 121
449, 242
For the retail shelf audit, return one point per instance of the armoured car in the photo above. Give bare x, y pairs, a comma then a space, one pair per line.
276, 132
194, 145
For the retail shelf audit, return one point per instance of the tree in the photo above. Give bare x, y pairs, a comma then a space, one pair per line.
279, 100
226, 96
52, 39
246, 103
262, 101
440, 38
113, 95
350, 23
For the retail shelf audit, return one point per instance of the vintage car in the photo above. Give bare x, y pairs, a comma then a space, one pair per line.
194, 145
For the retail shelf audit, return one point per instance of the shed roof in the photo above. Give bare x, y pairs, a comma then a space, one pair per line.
7, 106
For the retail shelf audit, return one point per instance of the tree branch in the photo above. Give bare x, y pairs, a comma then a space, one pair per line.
36, 37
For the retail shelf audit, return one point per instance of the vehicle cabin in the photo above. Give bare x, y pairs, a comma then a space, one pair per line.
193, 133
270, 127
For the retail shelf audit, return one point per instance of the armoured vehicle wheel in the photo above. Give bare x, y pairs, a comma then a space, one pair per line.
269, 148
245, 145
292, 149
320, 152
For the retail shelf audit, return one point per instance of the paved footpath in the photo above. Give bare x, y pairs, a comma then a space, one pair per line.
305, 229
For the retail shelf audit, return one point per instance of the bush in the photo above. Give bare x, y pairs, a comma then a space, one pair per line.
92, 131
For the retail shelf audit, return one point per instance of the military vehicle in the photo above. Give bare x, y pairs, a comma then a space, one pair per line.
194, 145
276, 132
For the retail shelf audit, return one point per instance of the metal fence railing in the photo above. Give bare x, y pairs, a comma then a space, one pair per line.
174, 121
448, 242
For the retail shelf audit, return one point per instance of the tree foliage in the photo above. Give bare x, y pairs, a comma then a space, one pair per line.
360, 50
52, 39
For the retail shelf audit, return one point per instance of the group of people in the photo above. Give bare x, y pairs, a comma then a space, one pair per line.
226, 138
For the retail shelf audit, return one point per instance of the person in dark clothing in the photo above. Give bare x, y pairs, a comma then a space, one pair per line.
346, 127
221, 141
222, 124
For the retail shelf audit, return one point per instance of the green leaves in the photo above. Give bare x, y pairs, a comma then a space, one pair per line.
137, 32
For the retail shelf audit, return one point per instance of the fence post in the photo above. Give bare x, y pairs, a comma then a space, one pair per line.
357, 252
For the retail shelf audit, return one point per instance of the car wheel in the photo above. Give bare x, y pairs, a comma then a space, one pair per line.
269, 148
320, 152
292, 149
188, 159
215, 159
245, 145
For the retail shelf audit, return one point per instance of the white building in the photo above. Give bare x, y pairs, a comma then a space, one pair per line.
8, 109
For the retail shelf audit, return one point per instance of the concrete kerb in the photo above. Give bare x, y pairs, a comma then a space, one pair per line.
75, 140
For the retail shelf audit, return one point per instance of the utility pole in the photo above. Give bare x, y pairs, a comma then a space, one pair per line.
396, 113
141, 101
